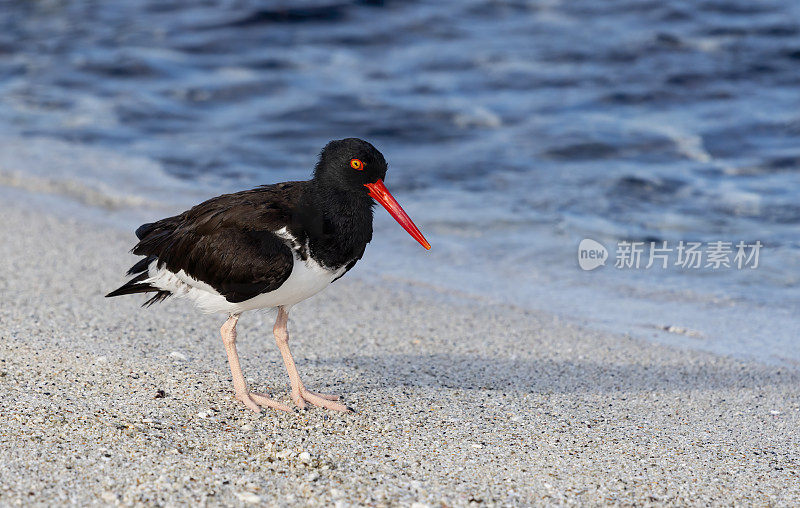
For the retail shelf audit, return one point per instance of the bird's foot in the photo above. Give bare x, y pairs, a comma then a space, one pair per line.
255, 401
301, 396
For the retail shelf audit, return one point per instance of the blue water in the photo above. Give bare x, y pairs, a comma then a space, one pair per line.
513, 130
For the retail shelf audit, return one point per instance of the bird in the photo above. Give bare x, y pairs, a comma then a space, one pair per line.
270, 247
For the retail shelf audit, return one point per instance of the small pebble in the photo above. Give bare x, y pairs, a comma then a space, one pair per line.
178, 356
248, 497
108, 497
285, 454
305, 457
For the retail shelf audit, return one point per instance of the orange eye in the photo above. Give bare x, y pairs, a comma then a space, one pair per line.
356, 164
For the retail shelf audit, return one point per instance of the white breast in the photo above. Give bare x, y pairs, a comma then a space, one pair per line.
307, 279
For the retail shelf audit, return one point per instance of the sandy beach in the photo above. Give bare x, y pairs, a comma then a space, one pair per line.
458, 401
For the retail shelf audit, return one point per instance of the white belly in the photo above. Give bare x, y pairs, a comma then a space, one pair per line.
307, 279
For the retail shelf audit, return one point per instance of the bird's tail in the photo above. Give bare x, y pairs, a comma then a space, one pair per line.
138, 284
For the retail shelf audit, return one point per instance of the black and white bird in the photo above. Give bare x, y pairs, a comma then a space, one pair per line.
269, 247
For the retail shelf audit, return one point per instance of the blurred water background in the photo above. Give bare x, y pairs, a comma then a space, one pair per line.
512, 129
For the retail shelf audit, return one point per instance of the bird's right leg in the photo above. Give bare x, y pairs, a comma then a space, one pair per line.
251, 400
300, 394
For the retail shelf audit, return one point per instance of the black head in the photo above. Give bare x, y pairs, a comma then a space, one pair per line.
349, 164
354, 169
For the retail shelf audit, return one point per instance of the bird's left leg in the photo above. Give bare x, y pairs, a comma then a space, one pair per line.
251, 400
300, 395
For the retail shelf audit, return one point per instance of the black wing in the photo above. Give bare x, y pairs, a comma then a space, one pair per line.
228, 242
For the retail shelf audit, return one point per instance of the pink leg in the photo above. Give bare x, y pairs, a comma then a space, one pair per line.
251, 400
299, 393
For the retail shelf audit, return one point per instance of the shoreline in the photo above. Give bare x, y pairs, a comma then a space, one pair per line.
457, 400
744, 319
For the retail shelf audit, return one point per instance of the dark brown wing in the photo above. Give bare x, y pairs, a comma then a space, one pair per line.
228, 242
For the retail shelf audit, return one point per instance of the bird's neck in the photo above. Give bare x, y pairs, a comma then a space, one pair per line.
333, 202
340, 225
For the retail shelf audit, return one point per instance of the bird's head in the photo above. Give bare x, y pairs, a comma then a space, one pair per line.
349, 164
355, 166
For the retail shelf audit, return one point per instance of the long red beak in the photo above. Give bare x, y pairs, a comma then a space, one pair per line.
381, 194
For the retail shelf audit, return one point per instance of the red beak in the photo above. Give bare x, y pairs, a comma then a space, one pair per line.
380, 193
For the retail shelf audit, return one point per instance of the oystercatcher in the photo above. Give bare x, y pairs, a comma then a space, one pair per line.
269, 247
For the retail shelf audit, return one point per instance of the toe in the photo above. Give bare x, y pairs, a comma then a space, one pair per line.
299, 400
321, 402
324, 395
249, 403
263, 400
